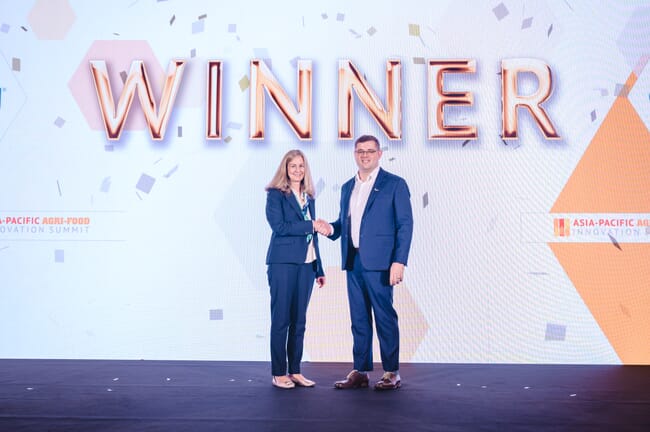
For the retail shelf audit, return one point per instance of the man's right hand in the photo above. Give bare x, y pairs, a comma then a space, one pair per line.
323, 227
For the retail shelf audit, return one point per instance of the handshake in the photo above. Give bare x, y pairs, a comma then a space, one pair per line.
322, 227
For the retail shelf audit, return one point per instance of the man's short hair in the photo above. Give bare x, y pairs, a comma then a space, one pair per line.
364, 138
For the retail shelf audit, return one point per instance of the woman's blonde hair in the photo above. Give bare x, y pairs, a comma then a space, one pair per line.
281, 181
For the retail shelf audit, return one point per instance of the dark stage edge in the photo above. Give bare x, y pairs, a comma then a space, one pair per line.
116, 395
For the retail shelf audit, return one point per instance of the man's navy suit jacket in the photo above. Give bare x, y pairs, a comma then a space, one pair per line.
386, 225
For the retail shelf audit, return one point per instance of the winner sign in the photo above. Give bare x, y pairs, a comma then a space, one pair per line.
299, 115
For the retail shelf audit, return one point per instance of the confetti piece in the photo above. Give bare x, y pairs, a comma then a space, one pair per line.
138, 195
294, 62
24, 28
193, 53
418, 60
145, 183
227, 139
527, 23
58, 185
261, 53
425, 200
15, 64
179, 131
59, 255
123, 76
324, 16
172, 19
391, 159
59, 122
357, 35
116, 379
340, 17
550, 29
106, 185
4, 28
29, 388
573, 395
501, 11
371, 31
465, 143
555, 332
157, 160
231, 380
168, 379
483, 386
198, 26
593, 115
244, 83
526, 388
458, 385
232, 28
170, 172
115, 34
614, 242
233, 125
109, 390
414, 30
621, 90
216, 314
603, 91
203, 16
250, 380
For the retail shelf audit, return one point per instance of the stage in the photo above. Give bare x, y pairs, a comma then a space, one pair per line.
97, 395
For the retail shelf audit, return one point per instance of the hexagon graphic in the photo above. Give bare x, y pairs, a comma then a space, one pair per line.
12, 96
613, 177
118, 56
328, 336
634, 40
51, 19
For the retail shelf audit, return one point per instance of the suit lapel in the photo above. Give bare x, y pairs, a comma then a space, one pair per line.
293, 203
312, 210
379, 183
347, 192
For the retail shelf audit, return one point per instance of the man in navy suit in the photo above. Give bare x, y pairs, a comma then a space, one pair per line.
375, 225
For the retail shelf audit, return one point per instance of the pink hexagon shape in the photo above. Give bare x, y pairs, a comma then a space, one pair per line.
118, 56
51, 19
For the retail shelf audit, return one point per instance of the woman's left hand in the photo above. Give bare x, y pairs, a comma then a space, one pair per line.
320, 281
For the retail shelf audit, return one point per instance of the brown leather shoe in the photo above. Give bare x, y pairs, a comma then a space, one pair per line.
389, 381
355, 379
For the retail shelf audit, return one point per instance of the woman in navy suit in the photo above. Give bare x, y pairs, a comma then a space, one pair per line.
293, 263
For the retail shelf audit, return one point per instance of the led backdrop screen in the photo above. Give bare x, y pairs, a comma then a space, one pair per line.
520, 127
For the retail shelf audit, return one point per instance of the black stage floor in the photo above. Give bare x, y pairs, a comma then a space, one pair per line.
98, 395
